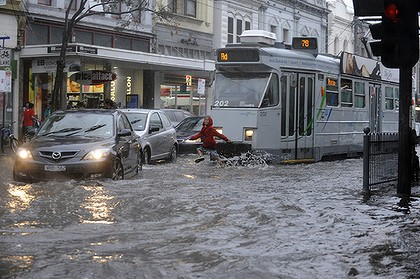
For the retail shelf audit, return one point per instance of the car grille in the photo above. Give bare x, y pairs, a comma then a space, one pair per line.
57, 156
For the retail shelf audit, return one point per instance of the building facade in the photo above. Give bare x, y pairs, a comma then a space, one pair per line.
159, 62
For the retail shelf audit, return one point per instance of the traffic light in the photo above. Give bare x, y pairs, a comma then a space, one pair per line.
397, 36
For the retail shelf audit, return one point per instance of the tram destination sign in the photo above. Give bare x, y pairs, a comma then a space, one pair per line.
93, 77
238, 55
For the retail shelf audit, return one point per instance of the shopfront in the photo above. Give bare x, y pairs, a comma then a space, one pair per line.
141, 79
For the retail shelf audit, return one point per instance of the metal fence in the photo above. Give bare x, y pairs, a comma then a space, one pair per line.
380, 159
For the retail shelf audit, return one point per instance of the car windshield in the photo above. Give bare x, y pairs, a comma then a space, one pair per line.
78, 124
137, 120
190, 124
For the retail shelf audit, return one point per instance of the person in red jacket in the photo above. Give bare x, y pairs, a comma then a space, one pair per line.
207, 134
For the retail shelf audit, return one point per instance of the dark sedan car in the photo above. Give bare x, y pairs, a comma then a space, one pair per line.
191, 126
184, 130
80, 144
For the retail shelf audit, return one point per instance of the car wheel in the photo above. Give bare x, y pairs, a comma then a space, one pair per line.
139, 166
174, 154
118, 170
19, 178
146, 156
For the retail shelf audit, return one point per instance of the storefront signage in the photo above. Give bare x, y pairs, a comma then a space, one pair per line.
5, 56
49, 65
73, 48
93, 77
6, 81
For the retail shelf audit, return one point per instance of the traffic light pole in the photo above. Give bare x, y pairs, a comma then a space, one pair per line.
404, 151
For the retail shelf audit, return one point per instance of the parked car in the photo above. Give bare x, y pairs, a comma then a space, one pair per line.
158, 136
185, 129
80, 144
176, 115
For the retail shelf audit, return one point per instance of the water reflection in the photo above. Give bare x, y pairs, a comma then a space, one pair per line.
11, 264
99, 204
20, 197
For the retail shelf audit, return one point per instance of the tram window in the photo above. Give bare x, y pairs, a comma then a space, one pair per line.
346, 93
332, 92
397, 97
389, 98
359, 95
271, 96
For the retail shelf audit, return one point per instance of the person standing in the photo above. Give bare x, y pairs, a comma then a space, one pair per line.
28, 120
207, 135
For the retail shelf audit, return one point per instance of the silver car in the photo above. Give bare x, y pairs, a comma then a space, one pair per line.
157, 135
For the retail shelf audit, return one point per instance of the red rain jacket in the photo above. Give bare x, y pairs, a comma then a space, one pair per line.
207, 134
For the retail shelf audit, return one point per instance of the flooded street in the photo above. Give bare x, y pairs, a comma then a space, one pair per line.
188, 220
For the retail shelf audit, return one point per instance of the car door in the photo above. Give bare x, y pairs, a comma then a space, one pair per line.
156, 136
128, 144
169, 133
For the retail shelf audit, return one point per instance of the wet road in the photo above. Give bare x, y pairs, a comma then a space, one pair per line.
188, 220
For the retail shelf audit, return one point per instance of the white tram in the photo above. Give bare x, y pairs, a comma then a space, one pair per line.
298, 104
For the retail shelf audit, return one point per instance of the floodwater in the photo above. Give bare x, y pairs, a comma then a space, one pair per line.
188, 220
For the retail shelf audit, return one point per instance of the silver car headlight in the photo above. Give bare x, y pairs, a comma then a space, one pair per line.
97, 154
23, 153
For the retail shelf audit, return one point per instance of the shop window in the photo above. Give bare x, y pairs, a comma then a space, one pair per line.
56, 36
84, 37
37, 34
140, 45
359, 95
331, 91
122, 42
103, 40
346, 93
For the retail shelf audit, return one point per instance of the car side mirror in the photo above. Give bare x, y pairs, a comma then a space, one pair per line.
154, 128
124, 133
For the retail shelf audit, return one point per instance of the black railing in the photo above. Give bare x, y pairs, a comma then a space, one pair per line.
380, 159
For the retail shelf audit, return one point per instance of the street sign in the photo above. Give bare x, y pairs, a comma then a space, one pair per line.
5, 57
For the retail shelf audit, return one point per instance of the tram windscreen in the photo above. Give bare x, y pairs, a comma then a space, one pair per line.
239, 89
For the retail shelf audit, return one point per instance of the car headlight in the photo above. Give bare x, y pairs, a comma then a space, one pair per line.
192, 141
97, 154
23, 153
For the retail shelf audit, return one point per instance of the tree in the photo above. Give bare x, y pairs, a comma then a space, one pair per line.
128, 14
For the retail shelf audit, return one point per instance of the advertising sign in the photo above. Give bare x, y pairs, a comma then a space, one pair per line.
5, 56
5, 81
93, 77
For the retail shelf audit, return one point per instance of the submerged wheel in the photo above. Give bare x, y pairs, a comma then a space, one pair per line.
118, 170
174, 154
146, 156
139, 166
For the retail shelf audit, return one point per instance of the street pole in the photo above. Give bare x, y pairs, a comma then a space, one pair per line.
404, 151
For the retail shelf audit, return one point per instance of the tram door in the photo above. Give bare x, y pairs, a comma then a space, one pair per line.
297, 101
375, 108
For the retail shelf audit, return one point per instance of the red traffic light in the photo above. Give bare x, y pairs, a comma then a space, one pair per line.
391, 12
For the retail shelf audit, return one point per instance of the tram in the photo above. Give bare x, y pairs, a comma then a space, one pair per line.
298, 104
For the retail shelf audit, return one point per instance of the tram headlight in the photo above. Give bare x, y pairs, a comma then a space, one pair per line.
249, 133
219, 130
